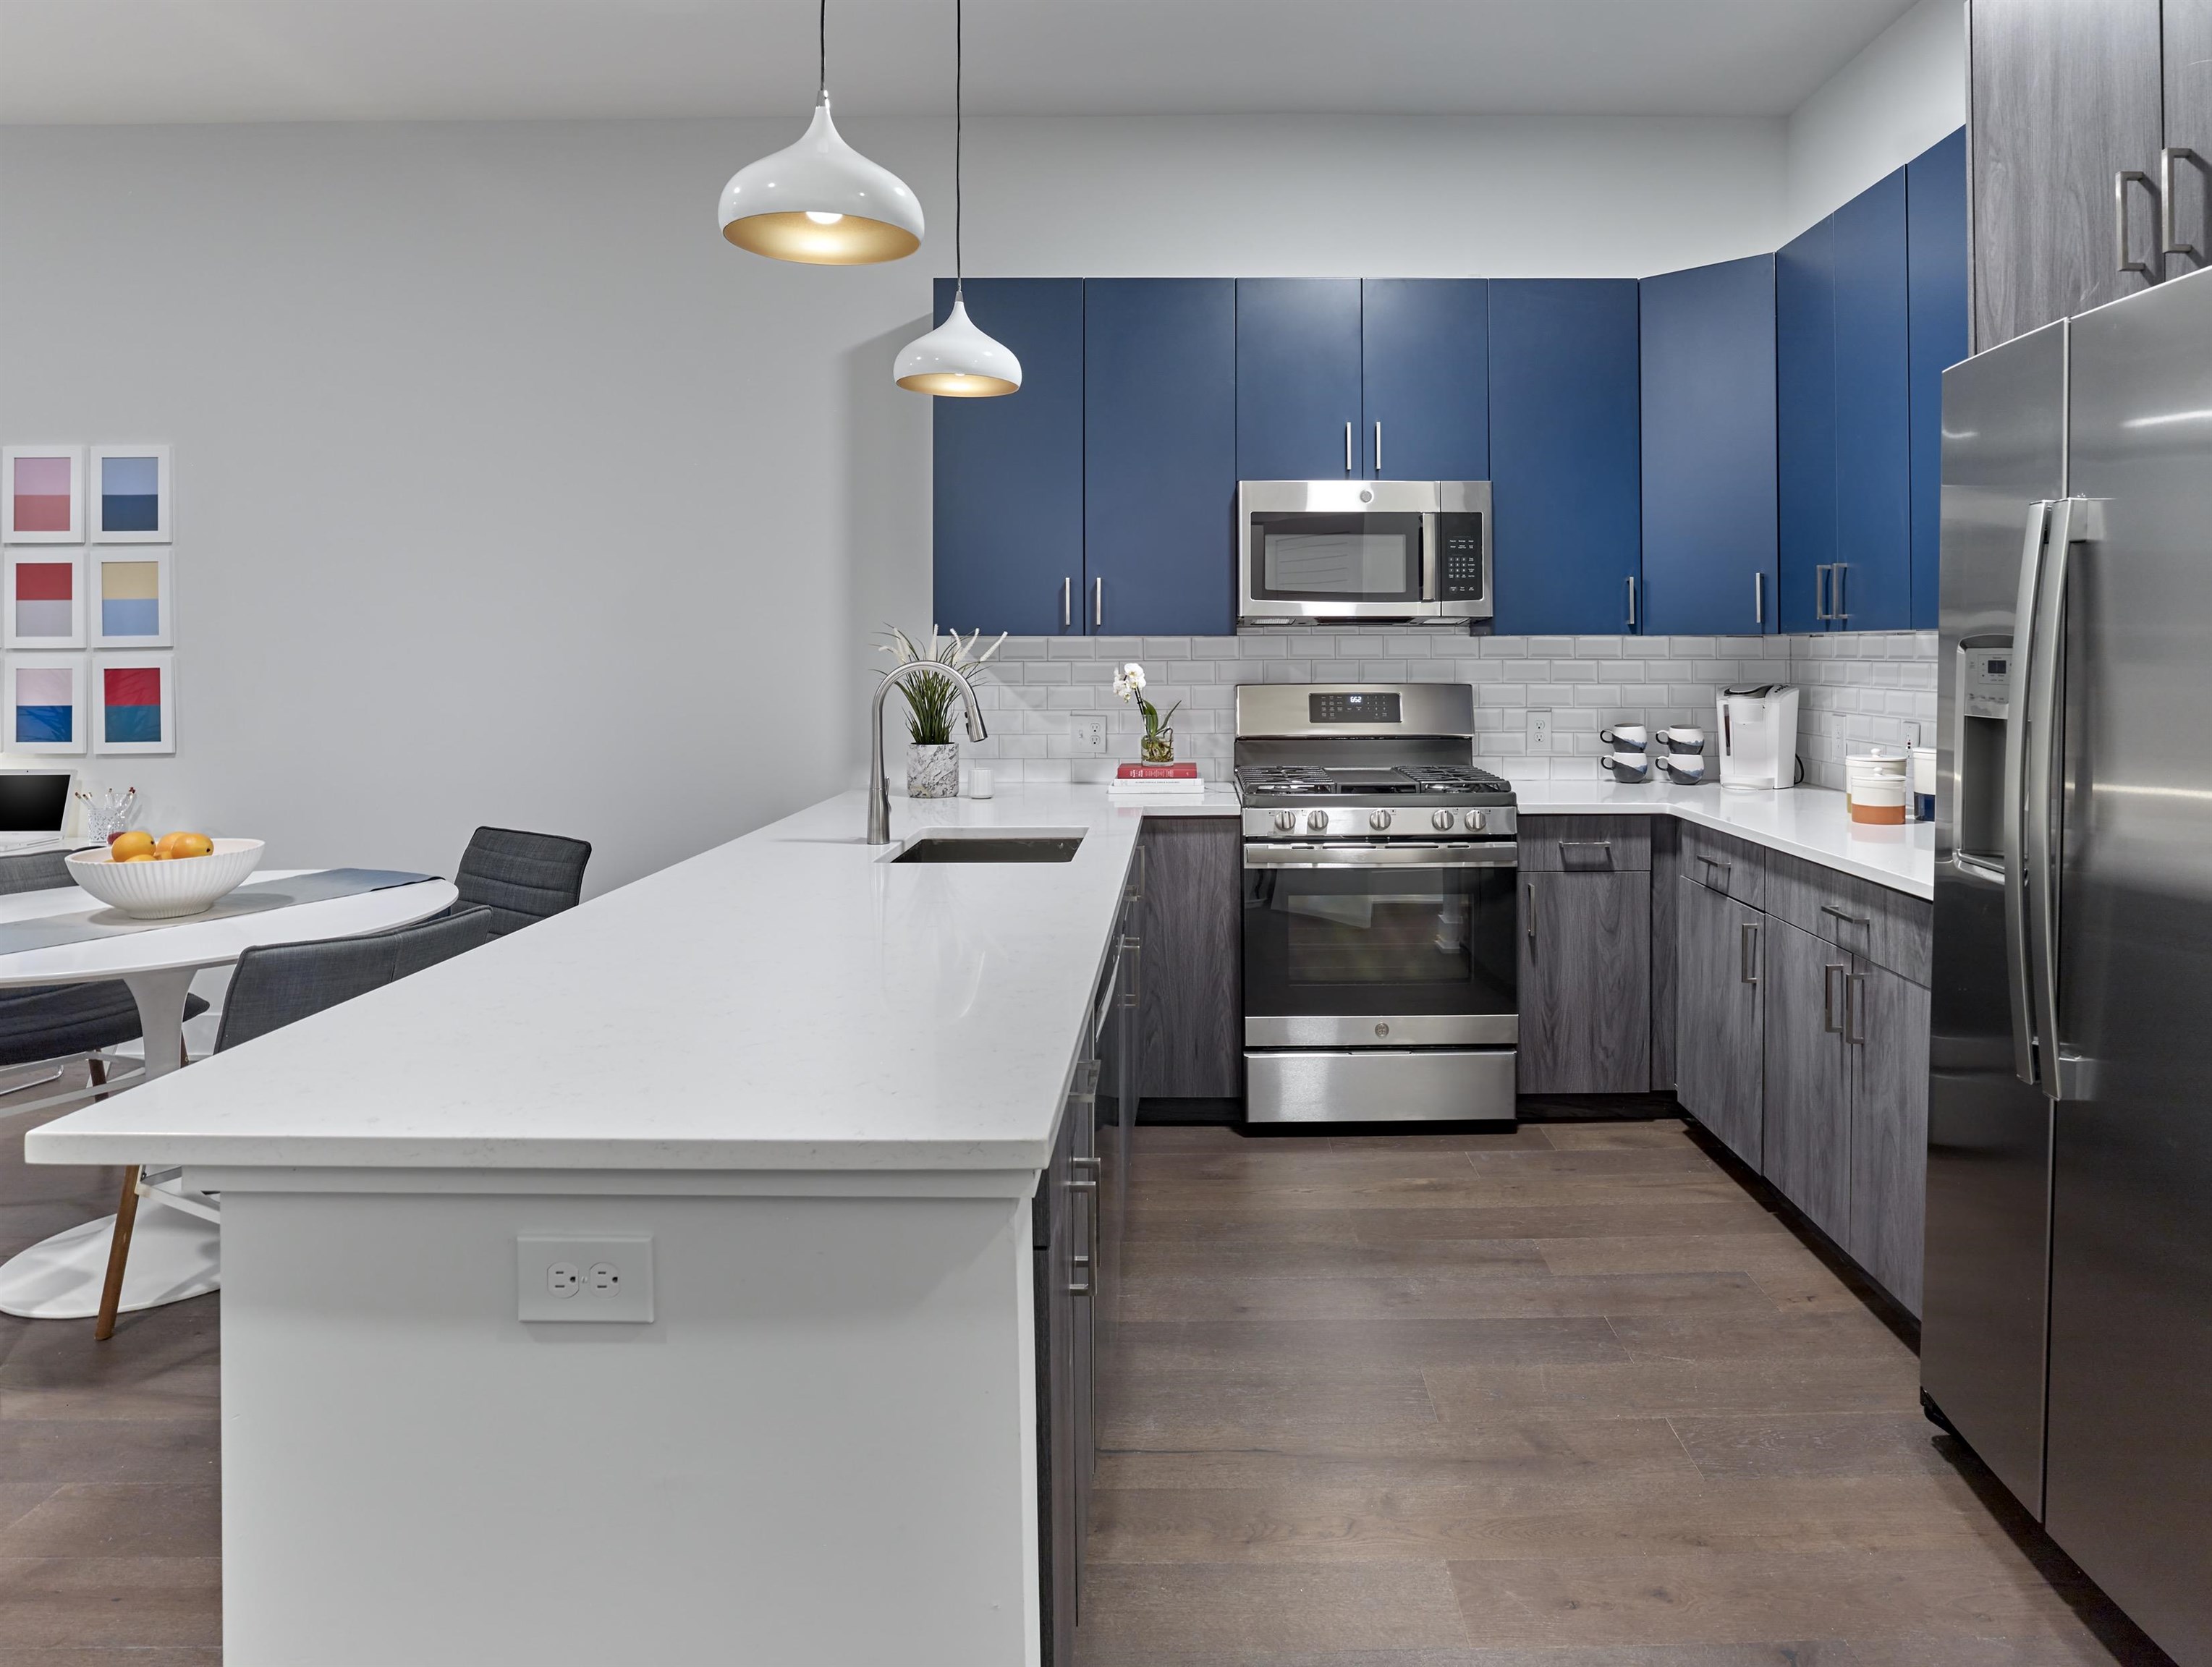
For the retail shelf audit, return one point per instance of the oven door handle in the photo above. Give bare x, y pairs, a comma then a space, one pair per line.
1501, 854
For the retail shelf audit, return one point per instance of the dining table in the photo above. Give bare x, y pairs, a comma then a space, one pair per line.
175, 1253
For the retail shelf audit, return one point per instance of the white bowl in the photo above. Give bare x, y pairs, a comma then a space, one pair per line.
162, 891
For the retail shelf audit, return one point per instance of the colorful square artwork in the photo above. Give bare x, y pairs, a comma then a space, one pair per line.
44, 598
136, 703
131, 599
129, 494
41, 494
46, 703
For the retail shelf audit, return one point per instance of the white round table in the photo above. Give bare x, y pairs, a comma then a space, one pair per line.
173, 1255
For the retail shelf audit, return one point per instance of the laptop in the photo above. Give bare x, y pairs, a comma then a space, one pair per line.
34, 804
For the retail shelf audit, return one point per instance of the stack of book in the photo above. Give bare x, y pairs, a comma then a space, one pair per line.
1144, 781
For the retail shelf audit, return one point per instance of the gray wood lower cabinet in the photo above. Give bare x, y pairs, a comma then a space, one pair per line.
1888, 1023
1719, 1011
1808, 1077
1193, 1003
1585, 982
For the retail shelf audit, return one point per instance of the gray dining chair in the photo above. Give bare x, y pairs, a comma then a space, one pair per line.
521, 877
279, 984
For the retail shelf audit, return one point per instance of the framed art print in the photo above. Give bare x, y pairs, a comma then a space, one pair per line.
130, 495
129, 598
46, 703
42, 594
42, 495
135, 705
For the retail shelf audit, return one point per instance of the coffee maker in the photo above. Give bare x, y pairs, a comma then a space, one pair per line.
1758, 734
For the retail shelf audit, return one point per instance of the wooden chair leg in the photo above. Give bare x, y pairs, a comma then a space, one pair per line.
118, 1252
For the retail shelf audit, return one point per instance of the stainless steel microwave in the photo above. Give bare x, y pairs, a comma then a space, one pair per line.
1417, 551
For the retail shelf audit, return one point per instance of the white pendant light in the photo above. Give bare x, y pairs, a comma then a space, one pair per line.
820, 201
955, 360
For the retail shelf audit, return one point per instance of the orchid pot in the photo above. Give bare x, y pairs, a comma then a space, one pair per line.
1158, 744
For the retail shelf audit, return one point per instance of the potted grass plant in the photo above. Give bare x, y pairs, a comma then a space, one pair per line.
933, 756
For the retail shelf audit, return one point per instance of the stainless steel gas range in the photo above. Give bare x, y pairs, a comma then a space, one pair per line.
1379, 907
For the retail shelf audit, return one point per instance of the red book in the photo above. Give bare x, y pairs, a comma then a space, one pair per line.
1182, 772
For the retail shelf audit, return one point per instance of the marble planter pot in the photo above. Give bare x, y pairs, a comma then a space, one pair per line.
933, 772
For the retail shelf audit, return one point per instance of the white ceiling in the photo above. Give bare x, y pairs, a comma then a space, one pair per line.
350, 60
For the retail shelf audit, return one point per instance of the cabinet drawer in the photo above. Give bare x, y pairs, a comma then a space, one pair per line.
1888, 928
1734, 867
1576, 843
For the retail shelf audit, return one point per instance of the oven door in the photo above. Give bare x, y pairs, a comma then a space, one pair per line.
1337, 550
1397, 946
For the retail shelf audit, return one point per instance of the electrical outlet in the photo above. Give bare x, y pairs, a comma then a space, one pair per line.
584, 1279
1539, 729
1090, 734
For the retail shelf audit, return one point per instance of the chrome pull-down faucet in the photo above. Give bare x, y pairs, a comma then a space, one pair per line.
879, 792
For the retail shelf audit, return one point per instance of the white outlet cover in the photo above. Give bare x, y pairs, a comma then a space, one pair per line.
1539, 729
1091, 734
607, 1280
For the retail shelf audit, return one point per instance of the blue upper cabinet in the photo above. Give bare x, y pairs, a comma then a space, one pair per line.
1425, 379
1805, 423
1935, 319
1160, 455
1564, 453
1008, 514
1708, 457
1297, 378
1873, 587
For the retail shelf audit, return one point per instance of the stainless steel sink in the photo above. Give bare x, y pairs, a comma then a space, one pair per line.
992, 845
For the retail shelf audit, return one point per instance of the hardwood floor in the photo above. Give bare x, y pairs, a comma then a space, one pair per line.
1569, 1396
109, 1458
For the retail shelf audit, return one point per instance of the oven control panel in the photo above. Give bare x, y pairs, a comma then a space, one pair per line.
1360, 822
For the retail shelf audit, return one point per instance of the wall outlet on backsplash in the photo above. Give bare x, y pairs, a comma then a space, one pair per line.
1090, 735
1539, 729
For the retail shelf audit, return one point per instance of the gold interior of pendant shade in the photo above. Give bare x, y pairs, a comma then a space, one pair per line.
855, 240
957, 385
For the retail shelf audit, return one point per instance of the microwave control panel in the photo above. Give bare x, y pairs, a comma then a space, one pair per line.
1985, 682
1459, 539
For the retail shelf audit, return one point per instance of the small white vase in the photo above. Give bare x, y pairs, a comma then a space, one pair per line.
933, 772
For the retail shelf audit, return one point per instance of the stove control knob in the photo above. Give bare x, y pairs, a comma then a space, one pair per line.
1286, 820
1441, 821
1476, 820
1379, 820
1317, 820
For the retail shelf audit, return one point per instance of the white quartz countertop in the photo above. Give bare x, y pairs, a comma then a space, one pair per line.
786, 1001
1805, 822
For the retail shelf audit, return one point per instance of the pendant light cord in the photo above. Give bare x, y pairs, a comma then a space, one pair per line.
822, 53
959, 71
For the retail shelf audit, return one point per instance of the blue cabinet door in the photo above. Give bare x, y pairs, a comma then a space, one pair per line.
1425, 379
1007, 524
1805, 423
1564, 453
1874, 449
1297, 378
1709, 458
1935, 322
1160, 455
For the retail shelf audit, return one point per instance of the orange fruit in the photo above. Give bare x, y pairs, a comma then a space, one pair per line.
139, 856
134, 842
191, 844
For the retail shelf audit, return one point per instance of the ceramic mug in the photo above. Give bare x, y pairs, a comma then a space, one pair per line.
1627, 736
1681, 740
1685, 766
1629, 766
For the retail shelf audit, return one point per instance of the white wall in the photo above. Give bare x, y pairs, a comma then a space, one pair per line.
506, 492
1905, 91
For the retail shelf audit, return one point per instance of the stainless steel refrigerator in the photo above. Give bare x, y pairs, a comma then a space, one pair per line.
2066, 1324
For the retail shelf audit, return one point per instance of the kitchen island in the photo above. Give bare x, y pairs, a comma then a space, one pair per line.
824, 1085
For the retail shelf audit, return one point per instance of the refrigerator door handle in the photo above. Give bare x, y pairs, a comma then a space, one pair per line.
2047, 664
2016, 796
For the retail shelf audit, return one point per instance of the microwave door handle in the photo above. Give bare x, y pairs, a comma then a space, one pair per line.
2015, 798
2046, 665
1433, 588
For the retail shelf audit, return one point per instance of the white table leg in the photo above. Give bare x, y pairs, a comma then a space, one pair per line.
174, 1256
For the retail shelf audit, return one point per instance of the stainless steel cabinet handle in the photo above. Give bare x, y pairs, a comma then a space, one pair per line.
1067, 603
1097, 603
1747, 952
1378, 445
1136, 892
1855, 1007
1347, 448
1846, 918
1604, 843
1758, 599
1828, 973
1134, 949
1529, 887
1839, 610
1820, 591
2121, 181
2045, 665
1631, 600
2015, 798
2169, 240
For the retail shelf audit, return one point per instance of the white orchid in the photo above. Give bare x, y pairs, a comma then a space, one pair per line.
1129, 681
1129, 684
